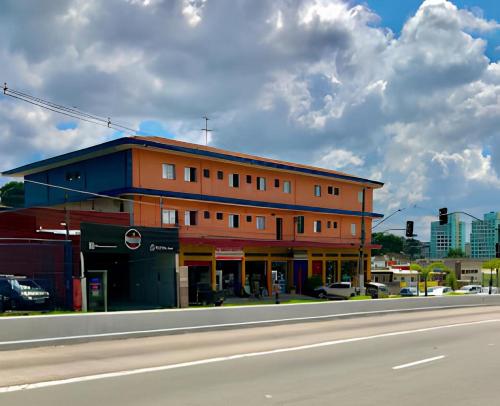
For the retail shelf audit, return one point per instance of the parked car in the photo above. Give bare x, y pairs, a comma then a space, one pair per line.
22, 293
377, 290
342, 290
486, 290
439, 290
407, 292
470, 289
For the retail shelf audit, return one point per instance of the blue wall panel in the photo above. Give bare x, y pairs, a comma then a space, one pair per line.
92, 175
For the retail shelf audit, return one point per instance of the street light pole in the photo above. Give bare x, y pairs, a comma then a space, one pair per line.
361, 259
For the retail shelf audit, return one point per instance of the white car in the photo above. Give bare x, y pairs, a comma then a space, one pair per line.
486, 290
471, 289
342, 290
439, 290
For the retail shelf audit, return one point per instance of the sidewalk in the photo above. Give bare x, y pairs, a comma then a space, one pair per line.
284, 298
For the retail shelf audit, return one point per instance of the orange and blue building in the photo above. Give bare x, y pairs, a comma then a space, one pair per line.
242, 221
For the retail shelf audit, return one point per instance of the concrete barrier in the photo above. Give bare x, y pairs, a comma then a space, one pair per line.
31, 331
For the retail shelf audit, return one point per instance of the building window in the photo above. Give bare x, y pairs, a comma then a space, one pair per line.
234, 180
70, 176
169, 216
249, 219
330, 190
206, 173
317, 190
190, 218
300, 224
206, 214
334, 224
336, 191
249, 178
360, 197
219, 216
220, 175
276, 183
353, 229
234, 221
190, 174
317, 226
261, 222
261, 183
287, 186
168, 171
328, 224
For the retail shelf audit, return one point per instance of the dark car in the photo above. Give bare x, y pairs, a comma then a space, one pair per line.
408, 292
377, 290
22, 293
205, 295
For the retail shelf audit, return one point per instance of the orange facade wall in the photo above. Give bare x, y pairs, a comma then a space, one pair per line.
147, 173
147, 213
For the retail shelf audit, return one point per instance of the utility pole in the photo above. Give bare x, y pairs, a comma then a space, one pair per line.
206, 129
361, 259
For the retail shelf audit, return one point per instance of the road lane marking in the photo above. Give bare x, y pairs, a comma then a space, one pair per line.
215, 326
107, 375
423, 361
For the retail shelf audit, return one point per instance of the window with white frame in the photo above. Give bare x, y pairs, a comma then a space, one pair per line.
260, 221
287, 186
190, 174
168, 171
360, 197
261, 183
353, 229
317, 226
317, 190
234, 220
190, 218
234, 180
169, 216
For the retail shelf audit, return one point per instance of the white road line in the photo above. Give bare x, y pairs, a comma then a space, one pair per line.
423, 361
38, 385
215, 326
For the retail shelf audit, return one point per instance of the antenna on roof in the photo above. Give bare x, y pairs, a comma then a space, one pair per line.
206, 129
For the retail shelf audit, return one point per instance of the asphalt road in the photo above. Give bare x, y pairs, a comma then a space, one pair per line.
445, 357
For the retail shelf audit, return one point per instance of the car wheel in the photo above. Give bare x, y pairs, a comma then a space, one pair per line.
353, 294
322, 294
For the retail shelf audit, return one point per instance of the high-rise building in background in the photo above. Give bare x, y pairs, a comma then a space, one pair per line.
484, 235
447, 236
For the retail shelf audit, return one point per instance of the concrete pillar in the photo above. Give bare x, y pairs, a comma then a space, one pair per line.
243, 273
323, 272
269, 268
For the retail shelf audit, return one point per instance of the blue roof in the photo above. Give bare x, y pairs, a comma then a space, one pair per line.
129, 142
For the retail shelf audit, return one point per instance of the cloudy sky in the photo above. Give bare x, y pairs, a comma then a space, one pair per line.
406, 92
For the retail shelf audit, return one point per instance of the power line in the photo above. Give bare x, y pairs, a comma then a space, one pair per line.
68, 111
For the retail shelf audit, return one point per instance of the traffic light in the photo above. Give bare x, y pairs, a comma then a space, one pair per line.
409, 229
443, 216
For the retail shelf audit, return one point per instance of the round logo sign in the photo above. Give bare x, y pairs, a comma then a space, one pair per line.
133, 239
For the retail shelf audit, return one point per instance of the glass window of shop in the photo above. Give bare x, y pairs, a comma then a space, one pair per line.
279, 273
331, 272
349, 269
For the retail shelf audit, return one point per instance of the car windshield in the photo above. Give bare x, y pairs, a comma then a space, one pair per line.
27, 284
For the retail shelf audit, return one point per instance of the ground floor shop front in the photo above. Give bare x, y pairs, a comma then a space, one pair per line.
128, 267
261, 271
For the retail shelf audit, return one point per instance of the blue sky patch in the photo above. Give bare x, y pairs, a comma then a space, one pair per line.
66, 125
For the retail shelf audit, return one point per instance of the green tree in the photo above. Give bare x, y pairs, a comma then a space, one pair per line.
390, 243
426, 272
492, 264
12, 194
451, 280
455, 253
